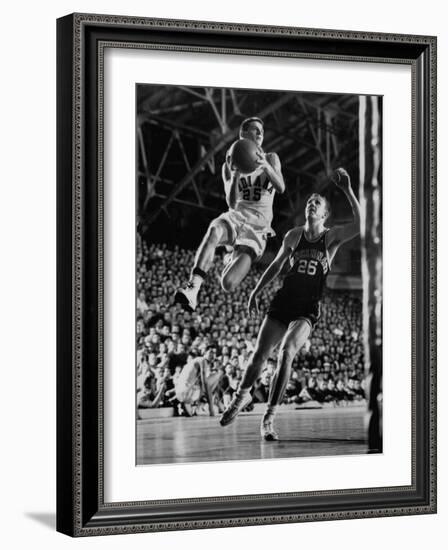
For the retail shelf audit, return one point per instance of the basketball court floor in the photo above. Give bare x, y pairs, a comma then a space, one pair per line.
303, 432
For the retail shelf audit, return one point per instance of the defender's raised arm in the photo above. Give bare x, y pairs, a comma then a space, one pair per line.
343, 233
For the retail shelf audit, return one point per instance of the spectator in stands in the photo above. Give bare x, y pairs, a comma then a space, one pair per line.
151, 394
168, 338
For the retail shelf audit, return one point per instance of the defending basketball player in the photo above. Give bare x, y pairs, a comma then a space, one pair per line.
246, 225
295, 308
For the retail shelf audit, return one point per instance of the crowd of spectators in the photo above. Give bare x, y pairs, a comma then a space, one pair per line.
329, 368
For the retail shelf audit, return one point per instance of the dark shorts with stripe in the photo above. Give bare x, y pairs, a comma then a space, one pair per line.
285, 311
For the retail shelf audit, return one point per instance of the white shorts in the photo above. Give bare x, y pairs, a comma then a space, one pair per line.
244, 234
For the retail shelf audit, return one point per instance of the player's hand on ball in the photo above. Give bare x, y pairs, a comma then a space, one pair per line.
252, 306
234, 172
262, 161
341, 178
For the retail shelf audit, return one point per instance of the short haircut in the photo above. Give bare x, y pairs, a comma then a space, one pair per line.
327, 202
245, 124
211, 346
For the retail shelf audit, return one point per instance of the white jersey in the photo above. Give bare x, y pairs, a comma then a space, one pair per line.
254, 198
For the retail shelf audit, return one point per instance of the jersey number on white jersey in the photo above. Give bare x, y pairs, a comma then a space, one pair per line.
251, 190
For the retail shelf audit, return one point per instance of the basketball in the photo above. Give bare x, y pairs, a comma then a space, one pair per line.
244, 156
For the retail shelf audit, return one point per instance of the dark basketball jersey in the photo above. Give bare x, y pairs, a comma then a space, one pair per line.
305, 280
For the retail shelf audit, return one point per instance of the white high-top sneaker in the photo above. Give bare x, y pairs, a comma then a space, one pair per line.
187, 297
267, 430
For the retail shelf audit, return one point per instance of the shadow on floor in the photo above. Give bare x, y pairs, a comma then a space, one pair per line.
48, 519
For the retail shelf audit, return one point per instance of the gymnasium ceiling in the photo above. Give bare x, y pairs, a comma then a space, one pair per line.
184, 132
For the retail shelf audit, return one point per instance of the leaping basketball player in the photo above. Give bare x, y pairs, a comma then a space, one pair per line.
246, 225
295, 308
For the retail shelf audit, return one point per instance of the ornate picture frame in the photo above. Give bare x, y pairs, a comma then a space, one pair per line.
81, 43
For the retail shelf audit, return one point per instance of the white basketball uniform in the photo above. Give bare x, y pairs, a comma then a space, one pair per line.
249, 222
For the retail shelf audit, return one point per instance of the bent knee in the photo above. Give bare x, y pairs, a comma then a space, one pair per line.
229, 283
214, 233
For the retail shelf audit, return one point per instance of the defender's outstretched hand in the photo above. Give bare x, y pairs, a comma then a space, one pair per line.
341, 179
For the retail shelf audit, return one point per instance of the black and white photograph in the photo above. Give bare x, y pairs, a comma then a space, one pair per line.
258, 274
225, 217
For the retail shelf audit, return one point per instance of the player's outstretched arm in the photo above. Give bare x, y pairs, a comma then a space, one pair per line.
270, 163
343, 233
274, 268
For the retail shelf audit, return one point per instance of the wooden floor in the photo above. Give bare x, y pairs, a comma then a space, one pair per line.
318, 432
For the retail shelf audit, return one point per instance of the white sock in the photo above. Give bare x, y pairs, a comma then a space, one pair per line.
270, 411
197, 281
